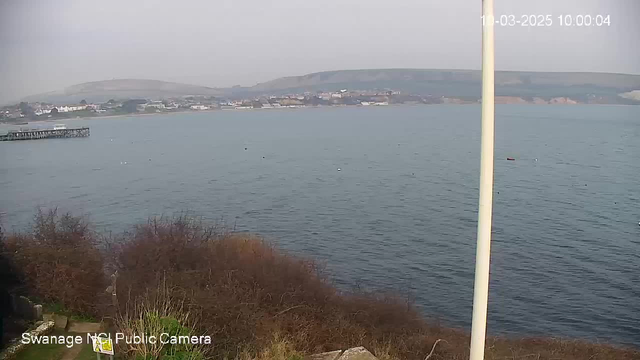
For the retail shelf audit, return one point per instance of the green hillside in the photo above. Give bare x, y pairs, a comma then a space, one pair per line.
449, 83
102, 91
456, 82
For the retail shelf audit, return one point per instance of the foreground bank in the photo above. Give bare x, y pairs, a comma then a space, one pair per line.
182, 276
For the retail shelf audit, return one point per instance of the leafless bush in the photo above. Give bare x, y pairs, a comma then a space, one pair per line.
59, 262
242, 291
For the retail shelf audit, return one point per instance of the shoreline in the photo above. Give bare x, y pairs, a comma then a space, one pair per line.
5, 123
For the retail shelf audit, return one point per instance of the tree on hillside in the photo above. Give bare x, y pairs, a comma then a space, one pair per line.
25, 107
27, 110
131, 106
54, 111
8, 279
83, 102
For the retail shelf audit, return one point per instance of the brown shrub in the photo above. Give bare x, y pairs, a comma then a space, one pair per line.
243, 291
59, 262
255, 301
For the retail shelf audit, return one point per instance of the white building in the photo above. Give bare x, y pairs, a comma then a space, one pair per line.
156, 104
70, 108
42, 111
199, 107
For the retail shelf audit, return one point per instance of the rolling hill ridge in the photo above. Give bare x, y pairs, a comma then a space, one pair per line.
102, 91
448, 83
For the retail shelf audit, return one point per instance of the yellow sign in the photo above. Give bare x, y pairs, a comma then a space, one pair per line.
102, 345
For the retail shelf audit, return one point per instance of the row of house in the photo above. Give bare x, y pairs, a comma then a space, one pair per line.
40, 109
199, 103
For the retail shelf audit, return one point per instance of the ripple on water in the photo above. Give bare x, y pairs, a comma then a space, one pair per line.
565, 255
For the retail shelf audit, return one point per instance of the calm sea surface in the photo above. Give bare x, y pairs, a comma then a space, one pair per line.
387, 196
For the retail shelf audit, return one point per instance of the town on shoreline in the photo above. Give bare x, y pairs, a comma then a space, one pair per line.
24, 112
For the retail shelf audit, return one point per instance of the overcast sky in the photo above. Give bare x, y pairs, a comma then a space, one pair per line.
50, 44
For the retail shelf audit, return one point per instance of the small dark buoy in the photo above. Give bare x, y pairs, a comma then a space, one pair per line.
263, 157
245, 148
585, 184
511, 159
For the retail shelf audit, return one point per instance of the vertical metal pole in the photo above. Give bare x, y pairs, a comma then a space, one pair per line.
483, 249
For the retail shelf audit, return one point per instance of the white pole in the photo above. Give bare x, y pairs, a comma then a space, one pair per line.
483, 249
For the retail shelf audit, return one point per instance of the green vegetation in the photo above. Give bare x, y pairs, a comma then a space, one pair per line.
154, 314
57, 308
86, 353
452, 83
42, 352
254, 301
55, 351
456, 83
131, 106
101, 91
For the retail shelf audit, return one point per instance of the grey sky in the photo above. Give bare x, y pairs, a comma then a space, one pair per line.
49, 44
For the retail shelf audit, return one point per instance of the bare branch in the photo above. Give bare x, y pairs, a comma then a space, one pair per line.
433, 349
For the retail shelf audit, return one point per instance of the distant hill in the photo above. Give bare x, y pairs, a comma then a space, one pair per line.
102, 91
456, 82
583, 87
503, 78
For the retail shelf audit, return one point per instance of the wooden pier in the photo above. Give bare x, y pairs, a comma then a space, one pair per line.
35, 134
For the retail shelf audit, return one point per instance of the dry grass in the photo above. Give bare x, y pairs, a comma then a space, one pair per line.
278, 349
159, 311
243, 291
